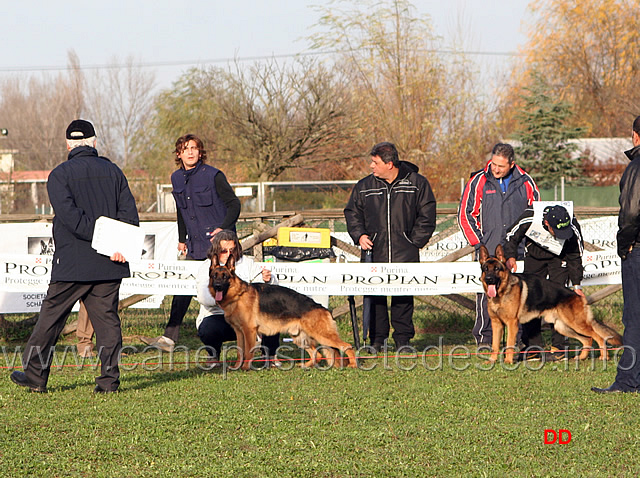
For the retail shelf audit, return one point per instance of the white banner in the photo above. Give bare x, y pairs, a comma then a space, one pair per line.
160, 243
24, 278
28, 248
424, 278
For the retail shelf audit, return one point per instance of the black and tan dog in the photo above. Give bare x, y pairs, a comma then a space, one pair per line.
520, 298
269, 309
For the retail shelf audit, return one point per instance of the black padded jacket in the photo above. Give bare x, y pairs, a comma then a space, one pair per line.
399, 217
629, 216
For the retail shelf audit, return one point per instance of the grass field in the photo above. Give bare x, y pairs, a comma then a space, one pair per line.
442, 416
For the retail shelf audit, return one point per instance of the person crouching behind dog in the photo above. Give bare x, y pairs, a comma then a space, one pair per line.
560, 267
213, 329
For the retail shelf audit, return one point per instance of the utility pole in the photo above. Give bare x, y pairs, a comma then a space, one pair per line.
4, 132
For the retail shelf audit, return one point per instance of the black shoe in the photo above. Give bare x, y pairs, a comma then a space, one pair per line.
556, 355
613, 388
378, 347
21, 379
99, 389
402, 343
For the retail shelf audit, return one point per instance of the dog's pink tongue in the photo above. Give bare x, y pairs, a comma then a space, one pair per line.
218, 296
491, 291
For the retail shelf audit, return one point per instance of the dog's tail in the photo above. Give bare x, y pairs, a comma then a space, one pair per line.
607, 332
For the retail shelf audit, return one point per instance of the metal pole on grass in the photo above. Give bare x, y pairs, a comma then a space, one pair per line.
366, 300
354, 321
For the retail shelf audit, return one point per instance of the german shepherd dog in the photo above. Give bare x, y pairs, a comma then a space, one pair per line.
520, 298
269, 309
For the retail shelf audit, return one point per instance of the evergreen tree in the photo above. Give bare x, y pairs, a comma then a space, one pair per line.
545, 152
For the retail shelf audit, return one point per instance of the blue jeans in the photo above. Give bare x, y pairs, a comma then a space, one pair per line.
628, 376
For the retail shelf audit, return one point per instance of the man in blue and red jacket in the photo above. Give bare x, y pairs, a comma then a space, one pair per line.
493, 199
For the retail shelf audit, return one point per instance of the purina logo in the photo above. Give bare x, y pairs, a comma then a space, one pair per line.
151, 265
374, 269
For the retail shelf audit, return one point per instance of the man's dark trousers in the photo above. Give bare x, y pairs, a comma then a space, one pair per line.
628, 376
401, 319
555, 272
101, 301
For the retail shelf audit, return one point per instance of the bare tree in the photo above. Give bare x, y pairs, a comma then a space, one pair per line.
36, 110
388, 55
119, 99
191, 105
404, 90
279, 117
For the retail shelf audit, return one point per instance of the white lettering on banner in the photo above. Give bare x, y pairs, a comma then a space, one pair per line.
24, 278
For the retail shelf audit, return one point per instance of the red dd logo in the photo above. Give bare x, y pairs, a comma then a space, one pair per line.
562, 437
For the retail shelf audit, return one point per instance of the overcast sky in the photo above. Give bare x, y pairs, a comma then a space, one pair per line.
170, 35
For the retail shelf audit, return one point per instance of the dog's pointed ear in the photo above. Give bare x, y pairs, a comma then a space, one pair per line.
231, 263
214, 260
500, 254
484, 255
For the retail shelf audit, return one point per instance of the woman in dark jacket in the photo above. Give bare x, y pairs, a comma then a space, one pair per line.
205, 204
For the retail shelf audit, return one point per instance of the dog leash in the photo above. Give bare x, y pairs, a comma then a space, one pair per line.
255, 277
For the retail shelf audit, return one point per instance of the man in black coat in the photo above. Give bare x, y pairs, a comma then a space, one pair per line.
628, 238
393, 213
81, 189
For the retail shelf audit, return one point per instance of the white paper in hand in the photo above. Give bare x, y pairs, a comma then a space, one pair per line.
538, 234
110, 236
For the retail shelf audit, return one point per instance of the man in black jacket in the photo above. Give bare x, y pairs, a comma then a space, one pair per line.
562, 267
628, 237
81, 189
392, 212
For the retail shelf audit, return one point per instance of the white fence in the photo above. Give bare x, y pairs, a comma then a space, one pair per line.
255, 196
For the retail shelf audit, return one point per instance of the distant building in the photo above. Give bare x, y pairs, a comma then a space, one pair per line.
604, 151
603, 158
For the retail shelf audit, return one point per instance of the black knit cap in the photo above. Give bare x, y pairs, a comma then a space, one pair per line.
559, 221
80, 129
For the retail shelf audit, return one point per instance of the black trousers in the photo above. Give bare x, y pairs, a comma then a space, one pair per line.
555, 272
101, 302
179, 306
214, 330
401, 319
